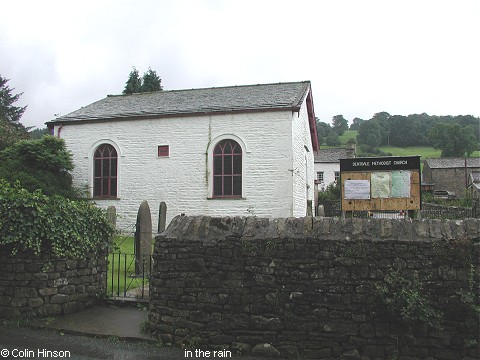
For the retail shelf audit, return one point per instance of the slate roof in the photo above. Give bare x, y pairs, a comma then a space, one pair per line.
450, 163
263, 97
330, 155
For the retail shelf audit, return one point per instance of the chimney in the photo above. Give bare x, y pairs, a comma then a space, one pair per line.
351, 150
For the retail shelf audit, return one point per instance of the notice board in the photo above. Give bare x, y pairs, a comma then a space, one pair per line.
380, 183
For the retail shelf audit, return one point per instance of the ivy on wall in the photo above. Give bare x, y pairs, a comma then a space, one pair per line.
31, 221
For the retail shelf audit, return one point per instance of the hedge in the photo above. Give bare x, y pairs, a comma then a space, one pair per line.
53, 225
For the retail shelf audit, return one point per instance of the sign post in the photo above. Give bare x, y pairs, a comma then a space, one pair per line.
380, 184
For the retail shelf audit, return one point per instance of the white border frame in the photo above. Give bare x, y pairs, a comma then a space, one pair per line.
210, 148
89, 157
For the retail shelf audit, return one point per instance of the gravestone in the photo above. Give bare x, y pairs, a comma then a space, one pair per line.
162, 216
112, 215
143, 239
321, 211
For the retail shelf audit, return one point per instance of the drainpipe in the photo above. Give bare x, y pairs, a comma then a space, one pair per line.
59, 130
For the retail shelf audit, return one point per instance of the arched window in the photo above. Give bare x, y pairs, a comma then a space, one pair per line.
227, 169
105, 162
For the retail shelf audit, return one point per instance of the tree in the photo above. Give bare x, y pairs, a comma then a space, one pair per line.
403, 131
452, 139
332, 139
11, 130
39, 164
38, 133
356, 122
323, 130
369, 133
340, 125
8, 112
10, 134
134, 83
151, 81
381, 116
383, 120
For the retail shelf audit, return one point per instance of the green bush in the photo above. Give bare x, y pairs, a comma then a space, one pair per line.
332, 192
406, 301
39, 164
51, 225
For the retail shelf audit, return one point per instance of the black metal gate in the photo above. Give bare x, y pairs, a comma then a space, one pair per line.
128, 277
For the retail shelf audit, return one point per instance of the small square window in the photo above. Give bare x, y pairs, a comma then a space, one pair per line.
163, 151
320, 176
337, 175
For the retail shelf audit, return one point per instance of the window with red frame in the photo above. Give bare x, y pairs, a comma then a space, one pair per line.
227, 169
105, 162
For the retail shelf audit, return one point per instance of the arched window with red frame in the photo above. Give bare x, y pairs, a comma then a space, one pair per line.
227, 169
105, 161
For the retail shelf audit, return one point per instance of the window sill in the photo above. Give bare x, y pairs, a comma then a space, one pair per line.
227, 198
104, 198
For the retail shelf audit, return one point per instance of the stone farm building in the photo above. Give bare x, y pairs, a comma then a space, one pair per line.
450, 174
226, 151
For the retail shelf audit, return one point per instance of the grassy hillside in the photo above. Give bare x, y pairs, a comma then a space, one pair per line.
347, 135
425, 152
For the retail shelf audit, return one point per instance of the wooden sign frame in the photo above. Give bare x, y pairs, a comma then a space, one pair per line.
380, 183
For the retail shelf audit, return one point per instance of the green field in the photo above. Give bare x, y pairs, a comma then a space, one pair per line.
425, 152
347, 135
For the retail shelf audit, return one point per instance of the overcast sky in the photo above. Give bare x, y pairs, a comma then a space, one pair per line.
362, 56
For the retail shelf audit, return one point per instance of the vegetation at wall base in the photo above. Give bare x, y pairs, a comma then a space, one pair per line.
406, 301
56, 226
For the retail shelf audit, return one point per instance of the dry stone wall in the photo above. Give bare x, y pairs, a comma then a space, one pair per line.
302, 288
33, 285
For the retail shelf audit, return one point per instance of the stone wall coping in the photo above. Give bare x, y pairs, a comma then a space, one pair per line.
211, 230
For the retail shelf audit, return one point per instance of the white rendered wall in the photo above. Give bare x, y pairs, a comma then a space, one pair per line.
182, 179
328, 173
303, 163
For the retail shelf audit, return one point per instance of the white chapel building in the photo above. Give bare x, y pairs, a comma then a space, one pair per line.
226, 151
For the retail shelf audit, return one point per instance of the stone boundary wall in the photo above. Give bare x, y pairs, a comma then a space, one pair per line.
301, 288
41, 286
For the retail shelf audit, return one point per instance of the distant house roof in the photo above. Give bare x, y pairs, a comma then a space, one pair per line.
330, 155
450, 163
266, 97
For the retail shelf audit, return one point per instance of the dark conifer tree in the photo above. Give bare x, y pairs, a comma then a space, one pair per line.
134, 83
